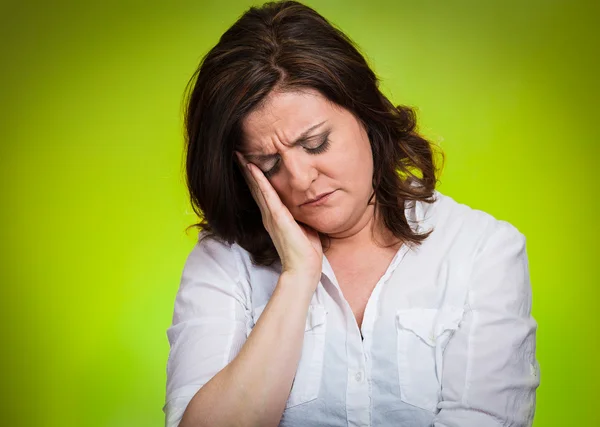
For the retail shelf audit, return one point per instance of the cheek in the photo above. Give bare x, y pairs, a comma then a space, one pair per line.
282, 190
278, 186
352, 165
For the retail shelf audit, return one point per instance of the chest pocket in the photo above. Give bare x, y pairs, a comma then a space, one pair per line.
307, 381
422, 335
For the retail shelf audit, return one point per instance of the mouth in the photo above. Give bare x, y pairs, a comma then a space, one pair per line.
323, 198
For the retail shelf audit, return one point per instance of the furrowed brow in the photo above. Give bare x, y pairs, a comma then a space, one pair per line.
304, 136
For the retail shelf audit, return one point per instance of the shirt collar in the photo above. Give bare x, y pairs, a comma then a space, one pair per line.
415, 213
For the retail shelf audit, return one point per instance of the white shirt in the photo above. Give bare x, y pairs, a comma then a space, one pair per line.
449, 340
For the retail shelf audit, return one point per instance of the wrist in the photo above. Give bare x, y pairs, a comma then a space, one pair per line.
301, 285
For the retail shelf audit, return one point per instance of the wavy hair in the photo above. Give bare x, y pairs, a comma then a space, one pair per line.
289, 46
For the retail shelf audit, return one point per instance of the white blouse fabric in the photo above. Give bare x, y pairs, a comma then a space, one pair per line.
449, 340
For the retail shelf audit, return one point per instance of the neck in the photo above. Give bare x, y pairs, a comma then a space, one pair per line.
368, 232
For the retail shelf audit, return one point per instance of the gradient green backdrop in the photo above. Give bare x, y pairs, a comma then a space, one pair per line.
94, 205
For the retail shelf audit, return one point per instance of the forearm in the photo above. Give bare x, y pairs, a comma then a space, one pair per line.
253, 388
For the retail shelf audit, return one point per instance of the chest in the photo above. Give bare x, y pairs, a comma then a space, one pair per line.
358, 277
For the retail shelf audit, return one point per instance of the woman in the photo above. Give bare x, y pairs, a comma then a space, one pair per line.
332, 284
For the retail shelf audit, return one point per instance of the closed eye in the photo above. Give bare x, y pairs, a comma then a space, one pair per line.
325, 144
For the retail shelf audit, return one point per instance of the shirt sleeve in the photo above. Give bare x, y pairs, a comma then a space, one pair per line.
490, 373
209, 324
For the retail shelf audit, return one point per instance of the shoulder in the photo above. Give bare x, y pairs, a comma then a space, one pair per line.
486, 257
462, 234
212, 253
457, 222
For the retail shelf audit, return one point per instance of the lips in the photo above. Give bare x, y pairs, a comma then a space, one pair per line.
319, 197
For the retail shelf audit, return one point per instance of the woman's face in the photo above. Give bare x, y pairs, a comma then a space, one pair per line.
334, 154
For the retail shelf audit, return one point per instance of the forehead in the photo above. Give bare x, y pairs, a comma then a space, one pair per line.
284, 116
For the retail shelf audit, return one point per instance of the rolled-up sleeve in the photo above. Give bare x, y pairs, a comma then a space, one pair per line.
490, 372
209, 323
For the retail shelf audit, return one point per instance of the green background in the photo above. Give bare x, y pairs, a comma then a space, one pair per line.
94, 205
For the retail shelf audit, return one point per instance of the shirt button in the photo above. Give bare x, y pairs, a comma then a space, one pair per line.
358, 377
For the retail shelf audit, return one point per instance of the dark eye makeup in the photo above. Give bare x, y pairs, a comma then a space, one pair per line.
317, 150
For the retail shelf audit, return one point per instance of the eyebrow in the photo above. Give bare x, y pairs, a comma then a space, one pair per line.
304, 136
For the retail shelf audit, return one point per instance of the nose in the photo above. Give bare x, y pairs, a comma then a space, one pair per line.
301, 170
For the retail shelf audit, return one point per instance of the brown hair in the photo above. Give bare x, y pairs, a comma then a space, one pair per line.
289, 46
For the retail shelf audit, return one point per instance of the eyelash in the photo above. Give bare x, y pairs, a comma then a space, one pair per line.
318, 150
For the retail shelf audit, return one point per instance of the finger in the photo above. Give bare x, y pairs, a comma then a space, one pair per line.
248, 176
246, 171
252, 183
267, 193
269, 199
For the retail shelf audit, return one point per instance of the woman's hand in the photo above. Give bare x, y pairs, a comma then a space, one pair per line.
299, 246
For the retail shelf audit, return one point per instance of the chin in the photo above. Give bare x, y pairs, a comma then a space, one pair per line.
328, 223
